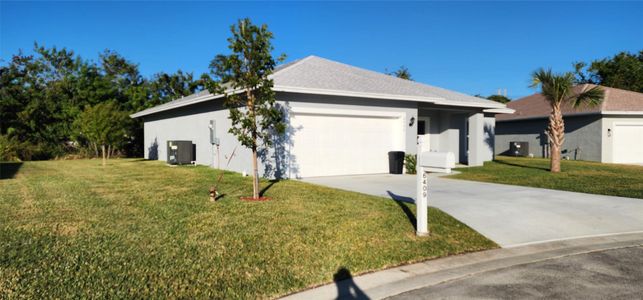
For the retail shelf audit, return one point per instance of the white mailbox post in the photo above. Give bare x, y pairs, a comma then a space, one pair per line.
441, 162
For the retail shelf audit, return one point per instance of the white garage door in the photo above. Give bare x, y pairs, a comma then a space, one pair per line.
326, 145
628, 143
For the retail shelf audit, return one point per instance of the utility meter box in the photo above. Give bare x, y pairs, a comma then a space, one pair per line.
441, 162
214, 140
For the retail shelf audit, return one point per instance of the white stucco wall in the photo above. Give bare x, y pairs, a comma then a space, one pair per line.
191, 123
489, 137
447, 128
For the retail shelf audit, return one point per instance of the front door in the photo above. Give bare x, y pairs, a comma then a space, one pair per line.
423, 133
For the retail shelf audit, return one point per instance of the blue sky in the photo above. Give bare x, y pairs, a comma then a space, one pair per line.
472, 47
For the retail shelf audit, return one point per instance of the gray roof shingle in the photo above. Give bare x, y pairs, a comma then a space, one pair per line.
318, 75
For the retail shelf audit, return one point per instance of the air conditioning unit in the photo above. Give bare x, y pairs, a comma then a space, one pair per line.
519, 148
180, 152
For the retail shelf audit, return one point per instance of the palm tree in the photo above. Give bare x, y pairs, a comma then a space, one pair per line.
559, 89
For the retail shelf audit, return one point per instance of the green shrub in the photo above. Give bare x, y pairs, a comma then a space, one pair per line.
410, 162
7, 149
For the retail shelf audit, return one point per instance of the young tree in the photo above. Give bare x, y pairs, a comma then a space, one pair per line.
559, 89
103, 125
244, 79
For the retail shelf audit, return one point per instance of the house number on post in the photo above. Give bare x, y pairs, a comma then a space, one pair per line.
428, 161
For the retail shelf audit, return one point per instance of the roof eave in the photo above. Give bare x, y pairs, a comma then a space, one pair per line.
328, 92
433, 100
505, 110
171, 106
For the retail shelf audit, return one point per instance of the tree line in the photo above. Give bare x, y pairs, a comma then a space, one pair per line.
622, 71
54, 103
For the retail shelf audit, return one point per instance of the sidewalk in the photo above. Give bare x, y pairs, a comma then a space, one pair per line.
397, 280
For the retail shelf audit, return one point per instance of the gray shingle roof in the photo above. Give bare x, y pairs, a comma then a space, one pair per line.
317, 75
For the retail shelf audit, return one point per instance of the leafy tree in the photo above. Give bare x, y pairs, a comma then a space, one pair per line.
41, 95
244, 79
499, 98
623, 71
103, 125
559, 89
166, 87
403, 72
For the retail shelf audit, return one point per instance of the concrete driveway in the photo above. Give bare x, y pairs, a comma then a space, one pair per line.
509, 215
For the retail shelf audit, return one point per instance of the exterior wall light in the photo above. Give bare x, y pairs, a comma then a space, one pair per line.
609, 132
412, 121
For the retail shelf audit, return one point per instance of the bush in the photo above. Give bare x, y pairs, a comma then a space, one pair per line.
12, 149
410, 163
7, 149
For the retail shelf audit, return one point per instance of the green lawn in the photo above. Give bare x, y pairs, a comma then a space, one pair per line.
140, 229
576, 176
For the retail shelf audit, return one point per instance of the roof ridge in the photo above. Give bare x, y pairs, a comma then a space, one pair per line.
290, 65
402, 80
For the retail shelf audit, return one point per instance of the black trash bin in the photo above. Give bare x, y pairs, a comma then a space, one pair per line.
395, 162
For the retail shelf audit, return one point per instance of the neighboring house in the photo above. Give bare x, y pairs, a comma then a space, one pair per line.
342, 120
611, 132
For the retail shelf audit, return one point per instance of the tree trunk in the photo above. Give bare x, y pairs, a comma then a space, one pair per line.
102, 148
109, 151
95, 149
255, 167
255, 174
556, 132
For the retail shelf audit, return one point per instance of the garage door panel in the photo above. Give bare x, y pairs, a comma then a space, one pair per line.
326, 145
628, 143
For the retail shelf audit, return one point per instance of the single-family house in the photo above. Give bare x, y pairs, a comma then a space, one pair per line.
611, 132
341, 120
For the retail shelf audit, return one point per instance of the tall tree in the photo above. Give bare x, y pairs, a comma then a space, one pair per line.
166, 87
499, 98
402, 72
244, 78
623, 71
559, 89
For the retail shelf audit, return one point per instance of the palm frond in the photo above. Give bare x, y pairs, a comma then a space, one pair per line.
590, 97
556, 88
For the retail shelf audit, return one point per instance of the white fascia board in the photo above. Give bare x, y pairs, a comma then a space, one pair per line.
614, 112
345, 112
170, 106
280, 88
433, 100
466, 104
500, 110
291, 89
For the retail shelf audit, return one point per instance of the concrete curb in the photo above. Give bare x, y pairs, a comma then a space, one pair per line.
390, 282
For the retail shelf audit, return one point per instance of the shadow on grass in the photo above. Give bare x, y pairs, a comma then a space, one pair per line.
399, 200
346, 287
520, 165
9, 170
266, 188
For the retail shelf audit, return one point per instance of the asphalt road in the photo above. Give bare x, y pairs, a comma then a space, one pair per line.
608, 274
